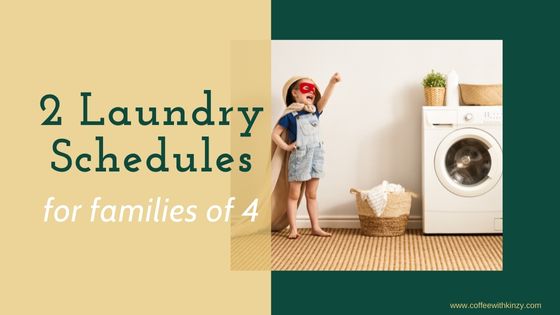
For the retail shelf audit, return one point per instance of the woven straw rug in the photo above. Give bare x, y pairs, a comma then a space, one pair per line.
349, 250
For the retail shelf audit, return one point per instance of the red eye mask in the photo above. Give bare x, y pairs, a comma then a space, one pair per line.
307, 88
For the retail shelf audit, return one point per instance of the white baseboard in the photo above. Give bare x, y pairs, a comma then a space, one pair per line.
350, 222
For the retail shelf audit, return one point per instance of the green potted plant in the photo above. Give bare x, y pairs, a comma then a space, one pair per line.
434, 88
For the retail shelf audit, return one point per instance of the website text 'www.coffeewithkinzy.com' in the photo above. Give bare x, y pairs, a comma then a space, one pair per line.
496, 305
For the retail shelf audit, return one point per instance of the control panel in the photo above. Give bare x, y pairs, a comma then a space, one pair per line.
493, 116
451, 117
479, 115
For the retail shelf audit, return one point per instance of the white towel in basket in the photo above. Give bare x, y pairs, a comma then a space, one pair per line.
378, 195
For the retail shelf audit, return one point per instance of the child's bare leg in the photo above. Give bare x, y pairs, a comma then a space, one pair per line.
311, 198
293, 197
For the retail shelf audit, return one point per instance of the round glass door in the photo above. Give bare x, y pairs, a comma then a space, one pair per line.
468, 162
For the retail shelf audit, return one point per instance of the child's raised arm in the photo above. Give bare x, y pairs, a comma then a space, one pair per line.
328, 91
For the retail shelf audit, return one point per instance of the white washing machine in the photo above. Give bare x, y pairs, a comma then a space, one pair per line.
462, 169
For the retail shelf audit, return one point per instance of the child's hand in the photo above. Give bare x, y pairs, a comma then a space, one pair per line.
290, 147
335, 78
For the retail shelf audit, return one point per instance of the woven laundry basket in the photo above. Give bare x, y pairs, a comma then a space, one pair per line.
486, 95
392, 221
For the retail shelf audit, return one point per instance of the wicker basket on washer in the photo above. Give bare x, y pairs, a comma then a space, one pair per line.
485, 95
392, 221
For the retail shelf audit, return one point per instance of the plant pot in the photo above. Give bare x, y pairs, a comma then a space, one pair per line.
435, 96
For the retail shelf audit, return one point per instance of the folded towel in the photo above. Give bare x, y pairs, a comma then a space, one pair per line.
377, 196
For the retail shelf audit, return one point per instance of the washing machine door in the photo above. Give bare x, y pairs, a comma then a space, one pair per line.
468, 162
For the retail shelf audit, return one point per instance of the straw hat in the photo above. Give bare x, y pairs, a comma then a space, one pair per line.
297, 78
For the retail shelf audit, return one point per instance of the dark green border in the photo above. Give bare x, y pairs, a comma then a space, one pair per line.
530, 175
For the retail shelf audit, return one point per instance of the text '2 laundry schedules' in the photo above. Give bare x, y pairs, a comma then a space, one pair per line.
160, 160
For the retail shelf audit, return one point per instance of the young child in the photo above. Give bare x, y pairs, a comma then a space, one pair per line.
305, 146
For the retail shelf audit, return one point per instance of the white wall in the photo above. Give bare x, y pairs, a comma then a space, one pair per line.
371, 125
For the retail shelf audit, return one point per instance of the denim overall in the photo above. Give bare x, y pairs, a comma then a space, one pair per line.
307, 160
